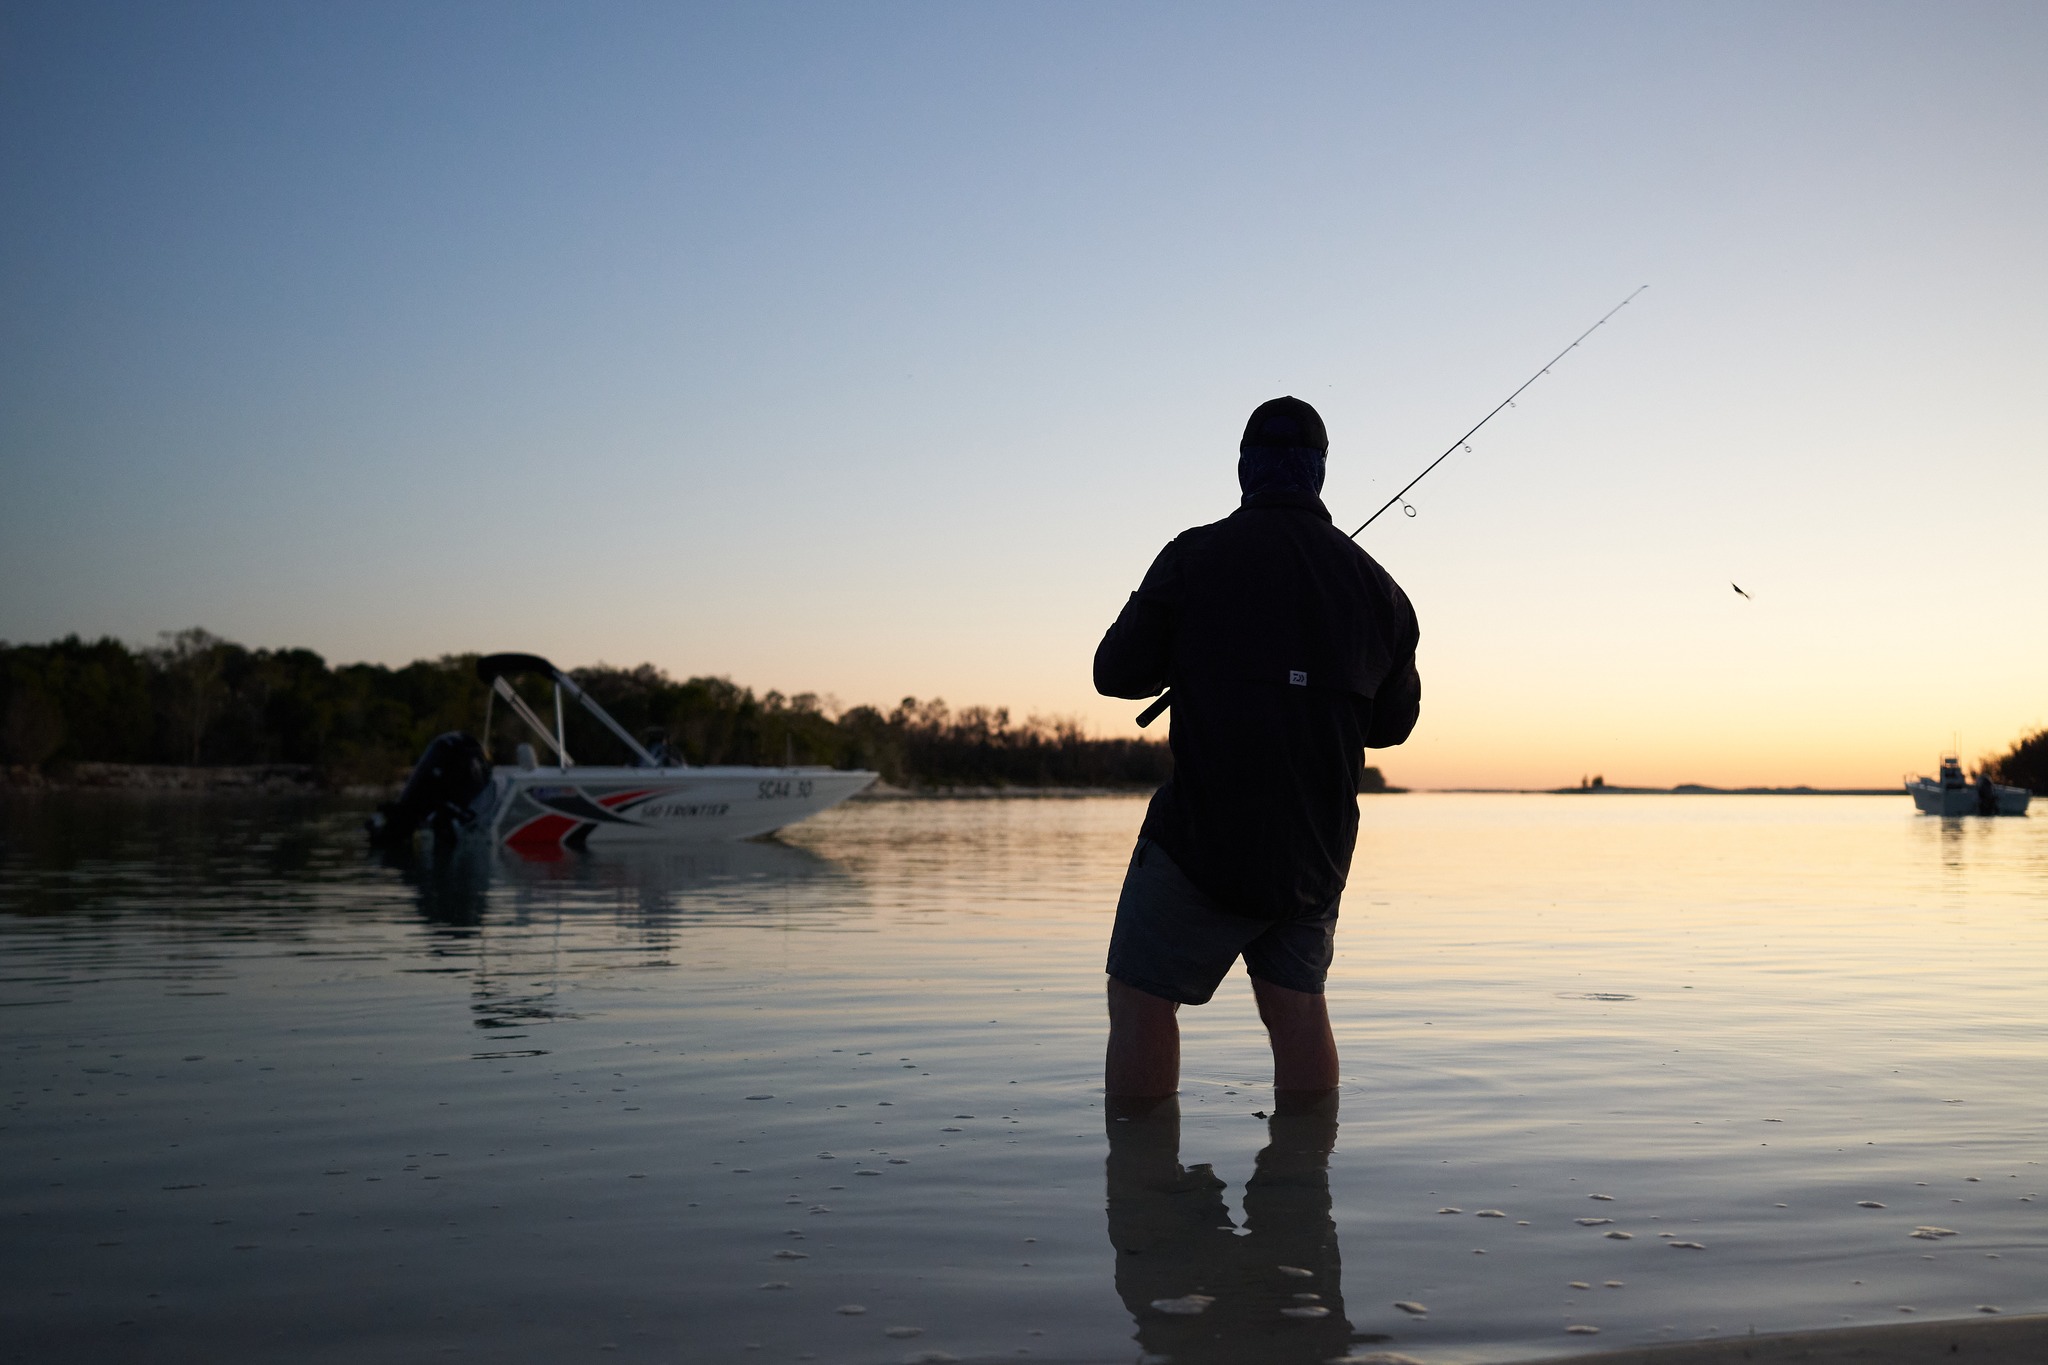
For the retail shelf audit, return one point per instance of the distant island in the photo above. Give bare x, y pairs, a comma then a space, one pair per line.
1696, 789
2025, 764
1682, 789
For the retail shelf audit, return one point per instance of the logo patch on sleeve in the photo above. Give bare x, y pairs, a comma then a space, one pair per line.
1297, 677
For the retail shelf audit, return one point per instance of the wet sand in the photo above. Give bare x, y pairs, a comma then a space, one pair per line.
1986, 1341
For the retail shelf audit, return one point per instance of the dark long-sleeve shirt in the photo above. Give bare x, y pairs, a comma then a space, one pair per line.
1290, 651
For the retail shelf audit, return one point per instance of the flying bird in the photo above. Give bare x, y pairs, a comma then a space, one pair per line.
1738, 588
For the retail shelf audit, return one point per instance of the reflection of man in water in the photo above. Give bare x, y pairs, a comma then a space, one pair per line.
1176, 1247
1290, 652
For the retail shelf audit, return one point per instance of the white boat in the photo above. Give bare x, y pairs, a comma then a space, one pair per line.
543, 809
1951, 793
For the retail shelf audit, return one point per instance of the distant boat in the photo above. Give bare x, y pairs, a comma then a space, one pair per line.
1951, 793
542, 809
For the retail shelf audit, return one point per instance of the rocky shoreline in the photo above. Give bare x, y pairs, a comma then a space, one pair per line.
885, 791
298, 779
259, 779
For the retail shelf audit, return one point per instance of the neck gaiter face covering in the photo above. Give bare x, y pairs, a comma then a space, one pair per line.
1281, 469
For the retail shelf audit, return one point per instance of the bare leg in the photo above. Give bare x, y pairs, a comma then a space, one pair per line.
1304, 1049
1144, 1044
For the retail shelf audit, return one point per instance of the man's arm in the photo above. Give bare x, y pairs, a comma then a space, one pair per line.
1132, 659
1395, 708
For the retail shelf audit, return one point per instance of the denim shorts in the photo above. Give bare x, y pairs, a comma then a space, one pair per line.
1174, 941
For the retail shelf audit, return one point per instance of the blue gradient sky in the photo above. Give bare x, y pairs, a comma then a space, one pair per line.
874, 350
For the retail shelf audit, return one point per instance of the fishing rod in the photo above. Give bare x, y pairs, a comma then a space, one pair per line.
1158, 707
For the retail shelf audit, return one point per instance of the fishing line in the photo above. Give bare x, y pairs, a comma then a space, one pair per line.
1153, 712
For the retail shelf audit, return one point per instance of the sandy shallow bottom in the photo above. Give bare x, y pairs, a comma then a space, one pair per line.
2003, 1341
1617, 1072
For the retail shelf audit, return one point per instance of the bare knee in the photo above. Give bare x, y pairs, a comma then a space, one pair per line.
1283, 1008
1143, 1058
1129, 1005
1304, 1049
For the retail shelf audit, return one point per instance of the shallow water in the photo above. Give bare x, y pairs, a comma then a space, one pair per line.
270, 1096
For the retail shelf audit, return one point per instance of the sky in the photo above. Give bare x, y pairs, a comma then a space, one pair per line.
874, 351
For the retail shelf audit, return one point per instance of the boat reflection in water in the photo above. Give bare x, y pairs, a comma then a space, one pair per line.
1202, 1289
657, 884
498, 916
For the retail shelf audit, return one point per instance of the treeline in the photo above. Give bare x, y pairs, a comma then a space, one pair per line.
2023, 765
197, 699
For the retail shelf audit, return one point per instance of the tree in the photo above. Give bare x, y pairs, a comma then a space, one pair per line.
2023, 765
192, 661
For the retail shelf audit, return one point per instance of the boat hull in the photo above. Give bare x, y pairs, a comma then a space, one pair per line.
542, 810
1931, 798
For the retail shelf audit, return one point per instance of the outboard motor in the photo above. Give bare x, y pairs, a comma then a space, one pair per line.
1987, 795
443, 783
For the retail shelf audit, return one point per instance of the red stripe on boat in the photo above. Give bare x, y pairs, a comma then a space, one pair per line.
542, 830
617, 799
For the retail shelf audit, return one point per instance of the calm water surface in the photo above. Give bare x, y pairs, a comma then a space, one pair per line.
837, 1098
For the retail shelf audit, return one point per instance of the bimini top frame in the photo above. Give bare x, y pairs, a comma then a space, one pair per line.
494, 669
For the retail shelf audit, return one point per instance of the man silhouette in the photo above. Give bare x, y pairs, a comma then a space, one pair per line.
1290, 651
